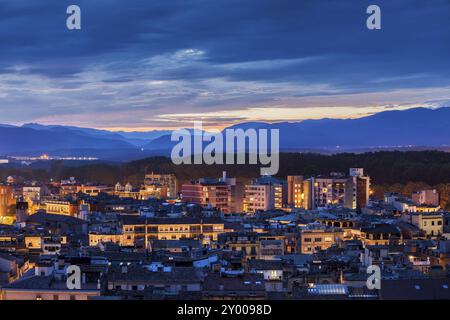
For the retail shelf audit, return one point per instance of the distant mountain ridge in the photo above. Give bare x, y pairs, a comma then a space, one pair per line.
136, 138
17, 139
418, 127
413, 127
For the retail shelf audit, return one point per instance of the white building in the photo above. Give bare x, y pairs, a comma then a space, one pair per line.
431, 223
31, 193
265, 193
258, 197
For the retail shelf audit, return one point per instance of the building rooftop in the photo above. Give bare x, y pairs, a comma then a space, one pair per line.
246, 283
42, 217
415, 289
259, 264
138, 220
34, 282
141, 273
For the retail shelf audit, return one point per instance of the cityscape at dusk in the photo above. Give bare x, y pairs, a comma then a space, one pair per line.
251, 152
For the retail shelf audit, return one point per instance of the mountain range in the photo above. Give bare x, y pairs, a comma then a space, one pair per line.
412, 128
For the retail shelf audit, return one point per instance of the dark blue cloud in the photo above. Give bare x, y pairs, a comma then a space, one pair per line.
267, 42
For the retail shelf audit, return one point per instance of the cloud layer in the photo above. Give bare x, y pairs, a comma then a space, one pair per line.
161, 63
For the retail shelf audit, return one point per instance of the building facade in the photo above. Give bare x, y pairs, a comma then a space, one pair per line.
429, 197
265, 193
163, 185
210, 193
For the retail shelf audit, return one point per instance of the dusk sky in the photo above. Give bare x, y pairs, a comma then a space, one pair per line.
139, 65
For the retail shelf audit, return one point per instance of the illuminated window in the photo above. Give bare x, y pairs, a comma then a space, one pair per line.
273, 274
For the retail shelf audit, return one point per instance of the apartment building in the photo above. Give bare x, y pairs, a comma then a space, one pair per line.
31, 194
265, 193
298, 191
6, 200
136, 231
432, 223
357, 189
429, 197
314, 239
65, 208
161, 185
327, 191
246, 243
221, 194
213, 194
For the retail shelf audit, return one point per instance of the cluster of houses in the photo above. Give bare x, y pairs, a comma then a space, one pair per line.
209, 239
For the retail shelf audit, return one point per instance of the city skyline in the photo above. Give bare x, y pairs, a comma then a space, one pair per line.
323, 229
224, 157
